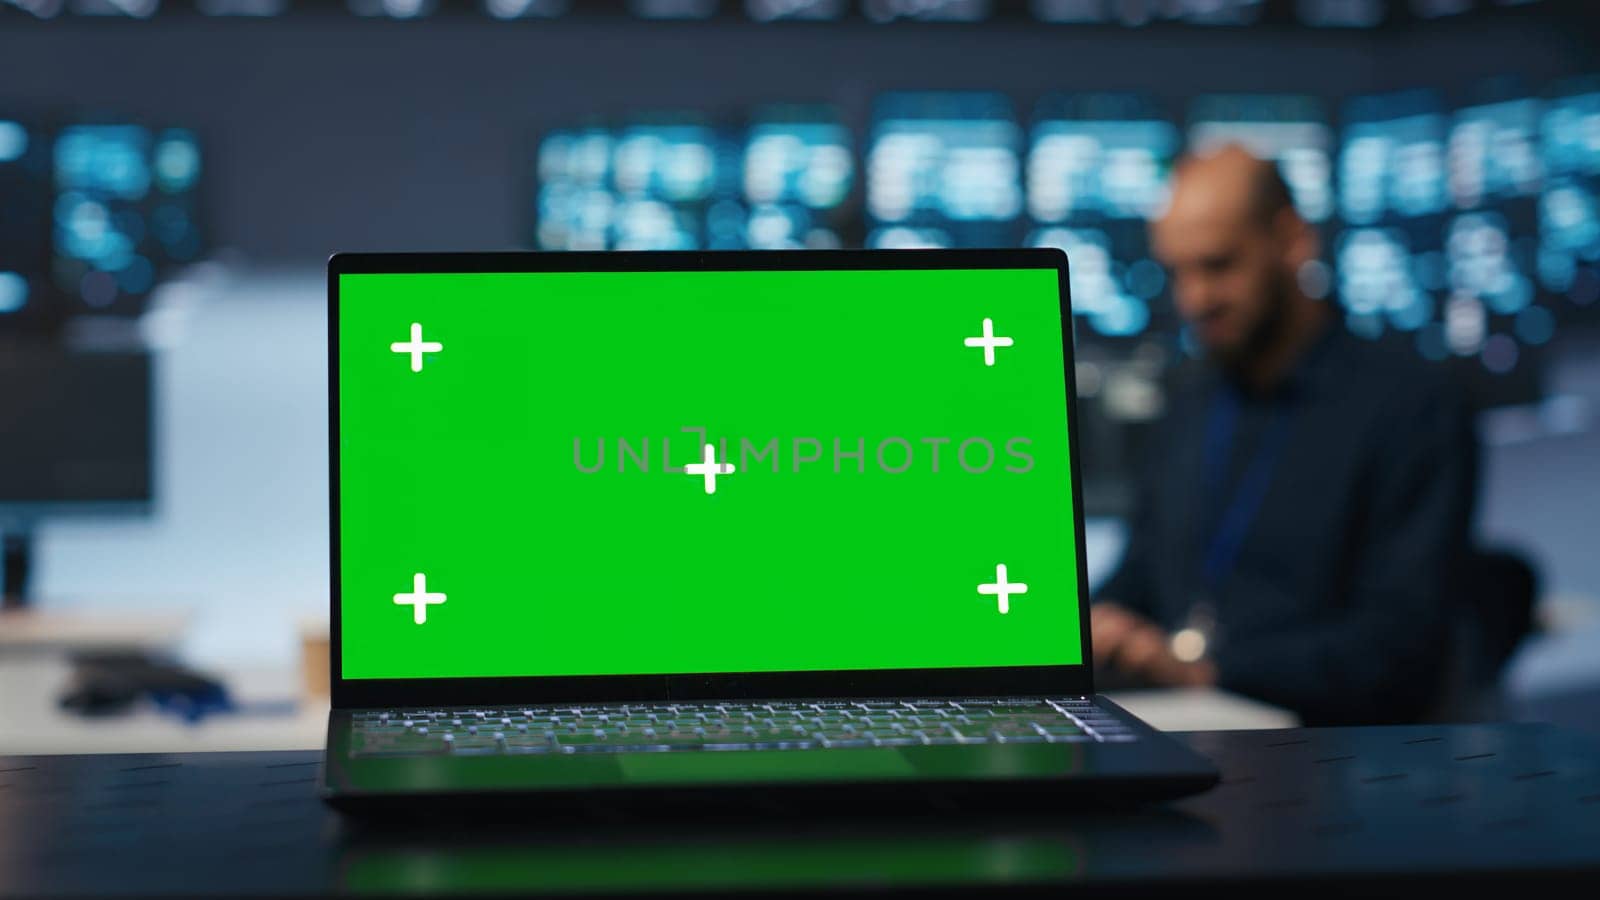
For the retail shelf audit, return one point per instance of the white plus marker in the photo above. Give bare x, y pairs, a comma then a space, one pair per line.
419, 599
416, 346
1004, 589
710, 469
988, 342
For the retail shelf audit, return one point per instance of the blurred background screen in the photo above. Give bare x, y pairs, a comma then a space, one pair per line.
174, 173
70, 462
943, 170
25, 185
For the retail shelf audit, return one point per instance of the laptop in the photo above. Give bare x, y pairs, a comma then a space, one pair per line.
735, 525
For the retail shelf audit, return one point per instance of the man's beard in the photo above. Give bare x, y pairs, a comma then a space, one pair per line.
1266, 332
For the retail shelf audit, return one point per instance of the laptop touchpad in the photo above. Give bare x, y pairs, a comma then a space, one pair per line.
765, 765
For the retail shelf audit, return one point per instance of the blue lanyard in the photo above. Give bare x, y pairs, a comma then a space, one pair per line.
1222, 550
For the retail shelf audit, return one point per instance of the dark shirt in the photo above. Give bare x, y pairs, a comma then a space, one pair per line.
1335, 603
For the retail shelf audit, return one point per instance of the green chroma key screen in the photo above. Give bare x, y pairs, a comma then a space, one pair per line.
608, 473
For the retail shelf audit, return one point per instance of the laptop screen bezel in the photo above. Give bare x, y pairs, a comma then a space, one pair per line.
1066, 680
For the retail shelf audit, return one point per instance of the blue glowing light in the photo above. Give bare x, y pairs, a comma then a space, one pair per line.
1376, 278
13, 292
902, 238
177, 161
13, 141
1571, 135
106, 158
1478, 253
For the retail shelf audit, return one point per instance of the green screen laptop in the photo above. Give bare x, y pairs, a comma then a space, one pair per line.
634, 522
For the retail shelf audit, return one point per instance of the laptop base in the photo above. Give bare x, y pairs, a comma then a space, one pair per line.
1153, 767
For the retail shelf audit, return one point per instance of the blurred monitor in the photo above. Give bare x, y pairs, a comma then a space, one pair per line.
664, 182
1495, 176
124, 214
1392, 158
175, 214
573, 198
675, 182
1388, 251
78, 432
1568, 261
1493, 152
944, 170
1470, 234
1097, 170
798, 170
666, 174
25, 201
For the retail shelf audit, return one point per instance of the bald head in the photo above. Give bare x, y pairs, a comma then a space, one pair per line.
1229, 186
1234, 244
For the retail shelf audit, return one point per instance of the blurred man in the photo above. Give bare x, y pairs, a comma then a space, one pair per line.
1308, 492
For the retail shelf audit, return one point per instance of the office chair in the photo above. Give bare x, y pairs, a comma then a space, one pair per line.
1496, 589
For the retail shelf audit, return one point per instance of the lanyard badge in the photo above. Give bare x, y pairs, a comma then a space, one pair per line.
1198, 636
1195, 639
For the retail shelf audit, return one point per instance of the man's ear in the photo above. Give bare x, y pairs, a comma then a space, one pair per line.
1299, 241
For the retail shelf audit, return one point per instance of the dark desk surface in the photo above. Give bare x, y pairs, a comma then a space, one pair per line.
1478, 803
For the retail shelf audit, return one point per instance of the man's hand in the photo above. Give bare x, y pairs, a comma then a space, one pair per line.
1128, 642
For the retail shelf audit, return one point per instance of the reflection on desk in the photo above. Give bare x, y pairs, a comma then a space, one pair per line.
1498, 805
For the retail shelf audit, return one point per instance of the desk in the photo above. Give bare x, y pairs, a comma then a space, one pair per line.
1490, 805
1201, 709
34, 631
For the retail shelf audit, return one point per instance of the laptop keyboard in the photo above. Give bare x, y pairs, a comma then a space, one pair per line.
791, 725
